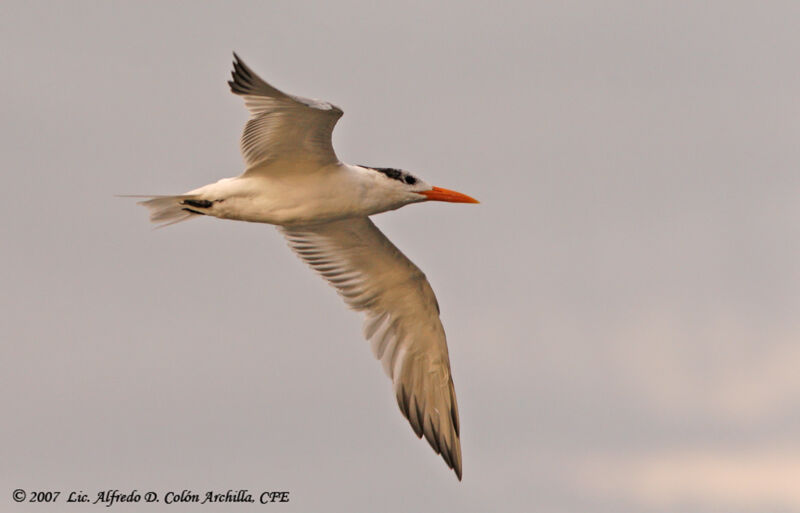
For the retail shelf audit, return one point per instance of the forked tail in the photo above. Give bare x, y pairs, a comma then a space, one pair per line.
167, 210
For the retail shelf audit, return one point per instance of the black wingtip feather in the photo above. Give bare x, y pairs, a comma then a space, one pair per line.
434, 443
242, 70
414, 416
242, 81
414, 413
402, 401
236, 88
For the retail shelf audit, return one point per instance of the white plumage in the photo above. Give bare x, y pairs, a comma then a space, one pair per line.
294, 180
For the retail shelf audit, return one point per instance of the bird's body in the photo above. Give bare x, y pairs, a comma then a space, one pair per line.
294, 180
299, 192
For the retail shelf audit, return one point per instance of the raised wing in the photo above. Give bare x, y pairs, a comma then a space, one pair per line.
282, 126
402, 321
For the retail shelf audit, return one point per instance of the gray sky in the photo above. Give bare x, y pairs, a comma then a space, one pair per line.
621, 309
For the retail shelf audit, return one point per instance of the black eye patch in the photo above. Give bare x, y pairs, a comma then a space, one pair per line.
394, 174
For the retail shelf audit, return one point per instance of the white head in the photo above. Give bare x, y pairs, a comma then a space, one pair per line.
400, 188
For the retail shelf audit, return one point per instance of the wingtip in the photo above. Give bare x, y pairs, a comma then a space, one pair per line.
455, 455
242, 74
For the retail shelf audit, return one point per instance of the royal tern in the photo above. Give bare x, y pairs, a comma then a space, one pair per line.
294, 180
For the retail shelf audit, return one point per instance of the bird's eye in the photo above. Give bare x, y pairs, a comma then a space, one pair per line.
410, 180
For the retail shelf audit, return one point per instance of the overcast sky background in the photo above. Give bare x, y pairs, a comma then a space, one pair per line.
621, 308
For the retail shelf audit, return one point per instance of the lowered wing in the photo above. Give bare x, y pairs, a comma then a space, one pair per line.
402, 321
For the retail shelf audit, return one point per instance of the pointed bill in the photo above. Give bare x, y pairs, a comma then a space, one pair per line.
440, 194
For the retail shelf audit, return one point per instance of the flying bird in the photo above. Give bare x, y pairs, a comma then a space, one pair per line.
294, 180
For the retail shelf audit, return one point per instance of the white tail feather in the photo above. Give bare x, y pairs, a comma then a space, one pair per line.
167, 210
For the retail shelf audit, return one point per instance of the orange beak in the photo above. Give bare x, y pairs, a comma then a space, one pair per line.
439, 194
